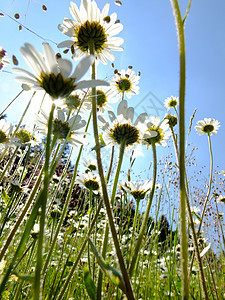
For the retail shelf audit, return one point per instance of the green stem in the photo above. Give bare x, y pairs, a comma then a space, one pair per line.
181, 41
69, 277
129, 291
192, 229
133, 230
66, 204
106, 235
210, 185
146, 215
44, 198
11, 103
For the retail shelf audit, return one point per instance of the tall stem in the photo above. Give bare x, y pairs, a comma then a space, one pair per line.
129, 291
44, 198
146, 215
181, 41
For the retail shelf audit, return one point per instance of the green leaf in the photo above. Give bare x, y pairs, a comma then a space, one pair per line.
89, 284
113, 274
5, 196
25, 277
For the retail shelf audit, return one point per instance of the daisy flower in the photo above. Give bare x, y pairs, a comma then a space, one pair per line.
53, 74
207, 126
125, 82
25, 135
160, 129
62, 125
121, 129
91, 25
90, 164
137, 189
6, 139
76, 100
104, 98
89, 181
171, 102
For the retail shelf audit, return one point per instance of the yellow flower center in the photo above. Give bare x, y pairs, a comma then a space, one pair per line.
57, 86
61, 129
90, 31
3, 137
124, 85
23, 135
156, 139
208, 128
124, 132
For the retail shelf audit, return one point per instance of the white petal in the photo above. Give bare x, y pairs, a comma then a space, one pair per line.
65, 44
50, 59
75, 12
83, 67
84, 84
65, 66
122, 107
23, 72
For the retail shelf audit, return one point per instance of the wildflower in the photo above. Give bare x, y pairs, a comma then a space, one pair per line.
172, 120
121, 130
221, 199
25, 136
91, 26
90, 164
137, 189
207, 126
171, 102
6, 139
90, 181
76, 100
153, 124
62, 126
103, 98
125, 82
54, 74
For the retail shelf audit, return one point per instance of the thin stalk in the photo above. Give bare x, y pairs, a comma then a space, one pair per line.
24, 211
43, 199
66, 204
133, 230
126, 279
210, 185
192, 229
146, 215
69, 277
106, 234
181, 41
10, 103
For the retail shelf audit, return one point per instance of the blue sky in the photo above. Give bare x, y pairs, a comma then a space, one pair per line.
150, 46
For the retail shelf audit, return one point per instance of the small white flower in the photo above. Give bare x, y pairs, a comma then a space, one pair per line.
171, 102
91, 25
53, 74
153, 124
122, 129
89, 181
103, 99
6, 131
62, 125
137, 189
207, 126
125, 82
